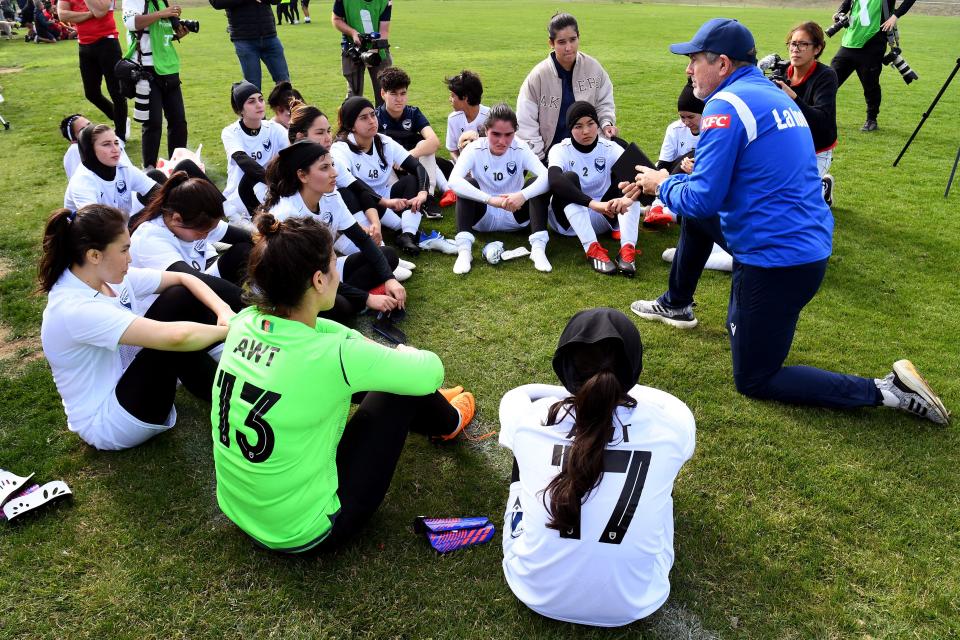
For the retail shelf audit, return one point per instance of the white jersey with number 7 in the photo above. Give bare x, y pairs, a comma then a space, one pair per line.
613, 568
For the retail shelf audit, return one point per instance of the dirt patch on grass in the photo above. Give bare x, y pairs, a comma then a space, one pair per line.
5, 70
16, 353
5, 268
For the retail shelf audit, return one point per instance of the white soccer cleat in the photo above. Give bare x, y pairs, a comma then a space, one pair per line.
406, 264
401, 273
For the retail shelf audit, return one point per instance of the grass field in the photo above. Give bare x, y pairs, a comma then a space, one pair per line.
790, 522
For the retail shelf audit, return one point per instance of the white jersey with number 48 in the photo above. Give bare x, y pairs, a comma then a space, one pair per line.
613, 567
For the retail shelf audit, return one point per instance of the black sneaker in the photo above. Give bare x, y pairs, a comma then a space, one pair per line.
869, 125
408, 244
431, 208
682, 318
826, 183
913, 393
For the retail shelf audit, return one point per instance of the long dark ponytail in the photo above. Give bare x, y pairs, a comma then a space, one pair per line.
68, 236
197, 200
593, 408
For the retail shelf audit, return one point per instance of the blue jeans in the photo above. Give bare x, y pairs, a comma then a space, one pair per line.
762, 316
270, 50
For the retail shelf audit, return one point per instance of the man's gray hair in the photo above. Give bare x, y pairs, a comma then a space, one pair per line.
713, 57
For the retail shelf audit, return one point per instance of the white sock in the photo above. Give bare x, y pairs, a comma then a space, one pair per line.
538, 251
630, 225
402, 274
579, 218
464, 241
390, 220
719, 260
410, 221
406, 264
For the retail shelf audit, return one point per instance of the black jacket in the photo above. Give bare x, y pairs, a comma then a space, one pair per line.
817, 99
248, 19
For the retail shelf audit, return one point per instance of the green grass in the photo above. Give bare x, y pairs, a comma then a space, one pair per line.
790, 522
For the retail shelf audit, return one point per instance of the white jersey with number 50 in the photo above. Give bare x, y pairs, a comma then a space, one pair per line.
613, 568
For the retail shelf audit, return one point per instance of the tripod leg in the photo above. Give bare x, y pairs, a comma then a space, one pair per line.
927, 113
953, 172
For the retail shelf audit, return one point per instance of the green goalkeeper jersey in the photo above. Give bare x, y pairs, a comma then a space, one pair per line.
282, 396
866, 16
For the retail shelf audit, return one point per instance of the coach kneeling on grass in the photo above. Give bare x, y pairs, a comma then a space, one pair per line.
755, 190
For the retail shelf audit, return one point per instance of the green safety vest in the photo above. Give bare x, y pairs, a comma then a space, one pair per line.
866, 16
165, 58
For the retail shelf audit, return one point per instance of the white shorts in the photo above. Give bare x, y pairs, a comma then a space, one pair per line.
113, 428
497, 219
824, 160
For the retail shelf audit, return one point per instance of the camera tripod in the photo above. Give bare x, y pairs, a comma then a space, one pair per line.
953, 172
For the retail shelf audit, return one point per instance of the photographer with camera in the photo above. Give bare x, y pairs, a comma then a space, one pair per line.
813, 87
869, 24
254, 38
365, 25
152, 32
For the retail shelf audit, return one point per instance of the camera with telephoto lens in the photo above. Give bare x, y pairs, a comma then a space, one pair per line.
840, 21
368, 51
774, 68
193, 26
896, 60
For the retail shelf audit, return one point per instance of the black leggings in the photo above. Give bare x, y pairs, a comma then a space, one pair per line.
406, 187
370, 448
148, 386
469, 212
166, 100
357, 271
868, 63
97, 61
558, 203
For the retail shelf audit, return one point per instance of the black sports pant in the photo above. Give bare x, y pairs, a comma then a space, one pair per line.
358, 272
559, 203
97, 61
148, 386
370, 448
868, 63
469, 211
166, 99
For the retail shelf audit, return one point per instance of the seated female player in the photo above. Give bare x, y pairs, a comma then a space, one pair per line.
105, 175
303, 185
292, 471
250, 143
95, 310
496, 197
307, 122
177, 232
585, 201
588, 530
370, 157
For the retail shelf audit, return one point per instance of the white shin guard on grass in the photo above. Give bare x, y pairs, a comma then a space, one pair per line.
464, 241
538, 251
579, 218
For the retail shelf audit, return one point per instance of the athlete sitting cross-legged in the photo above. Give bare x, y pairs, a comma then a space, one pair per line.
292, 471
588, 531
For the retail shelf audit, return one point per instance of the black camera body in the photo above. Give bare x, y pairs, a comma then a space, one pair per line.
894, 59
774, 68
193, 26
368, 51
840, 21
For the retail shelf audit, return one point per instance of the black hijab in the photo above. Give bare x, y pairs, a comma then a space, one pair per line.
577, 110
592, 326
88, 156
